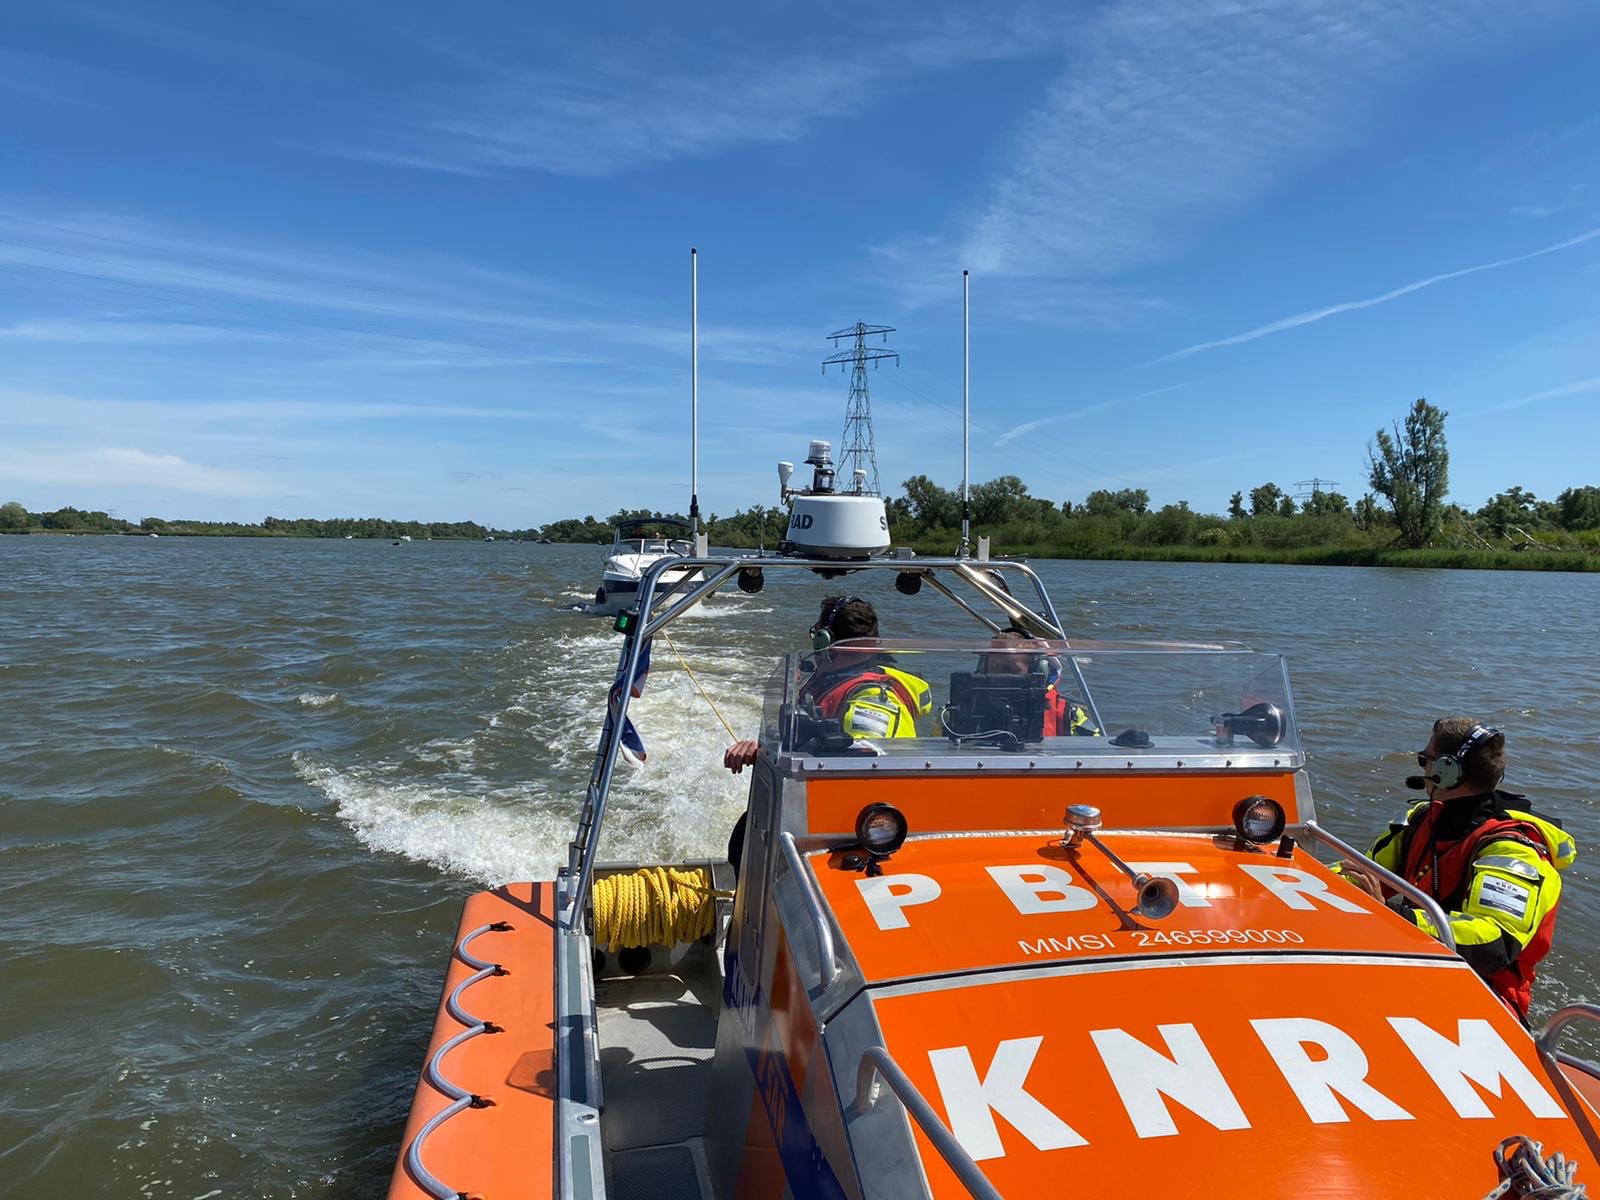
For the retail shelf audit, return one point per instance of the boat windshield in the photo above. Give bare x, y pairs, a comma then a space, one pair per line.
1054, 703
653, 545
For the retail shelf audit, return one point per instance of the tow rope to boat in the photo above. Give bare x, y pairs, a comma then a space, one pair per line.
704, 695
1525, 1174
654, 906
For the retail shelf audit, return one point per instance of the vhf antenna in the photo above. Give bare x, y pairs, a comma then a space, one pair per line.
966, 418
694, 392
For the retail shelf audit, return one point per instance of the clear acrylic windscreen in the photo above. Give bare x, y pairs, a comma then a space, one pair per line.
1172, 696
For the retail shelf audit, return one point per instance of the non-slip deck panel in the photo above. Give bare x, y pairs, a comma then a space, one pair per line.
656, 1173
657, 1034
504, 1151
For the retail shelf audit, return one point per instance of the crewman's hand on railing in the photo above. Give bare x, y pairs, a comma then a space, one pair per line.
1361, 881
741, 755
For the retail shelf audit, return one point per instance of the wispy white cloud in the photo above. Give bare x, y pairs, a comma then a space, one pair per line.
63, 411
417, 305
611, 109
1168, 117
1090, 410
1579, 388
102, 467
122, 333
1311, 316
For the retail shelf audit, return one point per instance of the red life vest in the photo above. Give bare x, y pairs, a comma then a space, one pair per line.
1057, 714
831, 701
1513, 984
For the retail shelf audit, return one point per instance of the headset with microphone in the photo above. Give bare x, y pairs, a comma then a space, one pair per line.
1450, 769
822, 632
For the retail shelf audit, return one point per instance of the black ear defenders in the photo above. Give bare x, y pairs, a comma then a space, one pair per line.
1449, 769
822, 631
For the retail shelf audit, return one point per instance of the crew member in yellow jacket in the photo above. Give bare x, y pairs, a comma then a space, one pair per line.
1493, 864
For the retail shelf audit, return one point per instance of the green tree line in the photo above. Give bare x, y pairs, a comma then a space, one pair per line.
1403, 518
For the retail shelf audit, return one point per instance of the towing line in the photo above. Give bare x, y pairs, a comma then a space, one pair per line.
460, 1098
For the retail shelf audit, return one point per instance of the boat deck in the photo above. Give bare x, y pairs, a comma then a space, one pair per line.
657, 1034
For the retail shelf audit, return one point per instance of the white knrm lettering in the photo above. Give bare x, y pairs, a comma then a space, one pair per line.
1041, 888
888, 896
1188, 896
1478, 1054
971, 1103
1318, 1084
1143, 1075
1297, 888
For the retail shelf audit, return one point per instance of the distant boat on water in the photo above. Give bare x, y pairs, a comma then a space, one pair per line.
638, 545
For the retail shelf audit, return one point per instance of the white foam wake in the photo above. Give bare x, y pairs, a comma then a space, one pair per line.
492, 818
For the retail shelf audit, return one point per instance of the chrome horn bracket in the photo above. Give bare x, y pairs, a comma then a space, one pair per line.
1157, 895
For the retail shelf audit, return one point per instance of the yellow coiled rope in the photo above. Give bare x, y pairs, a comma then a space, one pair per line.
654, 906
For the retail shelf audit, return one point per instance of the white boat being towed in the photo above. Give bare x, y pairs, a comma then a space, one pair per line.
638, 545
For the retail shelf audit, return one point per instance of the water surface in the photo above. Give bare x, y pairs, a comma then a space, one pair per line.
246, 783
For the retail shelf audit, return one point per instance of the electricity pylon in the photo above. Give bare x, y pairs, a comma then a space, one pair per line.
1316, 486
858, 448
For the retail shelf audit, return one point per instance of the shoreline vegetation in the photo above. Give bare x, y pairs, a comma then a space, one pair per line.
1108, 525
1402, 522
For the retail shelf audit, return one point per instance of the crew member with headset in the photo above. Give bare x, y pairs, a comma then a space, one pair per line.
858, 686
1491, 862
1061, 715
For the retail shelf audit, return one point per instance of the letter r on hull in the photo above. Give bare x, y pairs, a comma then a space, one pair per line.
1319, 1083
1298, 889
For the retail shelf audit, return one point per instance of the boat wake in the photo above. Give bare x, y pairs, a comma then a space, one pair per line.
498, 804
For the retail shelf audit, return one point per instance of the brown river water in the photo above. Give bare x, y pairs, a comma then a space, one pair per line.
245, 785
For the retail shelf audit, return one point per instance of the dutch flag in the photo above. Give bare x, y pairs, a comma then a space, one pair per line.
632, 748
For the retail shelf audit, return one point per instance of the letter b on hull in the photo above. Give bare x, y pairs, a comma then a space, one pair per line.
1041, 888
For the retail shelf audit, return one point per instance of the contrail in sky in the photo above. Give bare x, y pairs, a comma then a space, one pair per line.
1333, 310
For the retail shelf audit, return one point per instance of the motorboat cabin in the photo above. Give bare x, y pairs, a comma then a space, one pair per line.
636, 547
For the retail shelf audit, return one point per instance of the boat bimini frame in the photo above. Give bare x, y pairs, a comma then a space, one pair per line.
643, 623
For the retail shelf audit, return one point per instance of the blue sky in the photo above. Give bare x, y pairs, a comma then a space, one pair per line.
406, 260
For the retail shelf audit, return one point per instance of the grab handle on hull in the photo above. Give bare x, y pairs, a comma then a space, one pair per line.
876, 1063
1549, 1038
1354, 857
828, 961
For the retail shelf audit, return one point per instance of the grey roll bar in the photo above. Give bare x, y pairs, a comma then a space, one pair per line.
719, 569
827, 959
1549, 1038
877, 1063
1441, 920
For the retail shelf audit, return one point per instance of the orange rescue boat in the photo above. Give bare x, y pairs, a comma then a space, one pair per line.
984, 961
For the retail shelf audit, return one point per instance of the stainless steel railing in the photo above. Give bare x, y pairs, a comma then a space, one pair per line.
1441, 920
877, 1063
1549, 1038
827, 959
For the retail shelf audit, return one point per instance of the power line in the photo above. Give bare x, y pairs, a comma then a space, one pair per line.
860, 452
1315, 484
